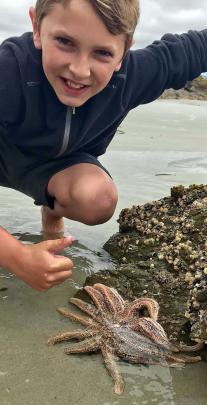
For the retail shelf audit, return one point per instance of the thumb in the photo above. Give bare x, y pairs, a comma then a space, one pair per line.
56, 245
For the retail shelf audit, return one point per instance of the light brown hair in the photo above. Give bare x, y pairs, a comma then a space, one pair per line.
119, 16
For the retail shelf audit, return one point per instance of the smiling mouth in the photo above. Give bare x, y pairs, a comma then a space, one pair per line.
73, 85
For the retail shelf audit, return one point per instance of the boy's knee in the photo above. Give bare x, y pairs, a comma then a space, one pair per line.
98, 204
101, 209
92, 204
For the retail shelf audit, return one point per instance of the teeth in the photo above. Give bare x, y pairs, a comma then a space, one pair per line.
74, 85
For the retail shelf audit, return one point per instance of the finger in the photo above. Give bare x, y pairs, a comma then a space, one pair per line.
60, 263
41, 288
59, 277
56, 245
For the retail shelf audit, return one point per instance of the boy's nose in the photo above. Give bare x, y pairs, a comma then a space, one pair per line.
80, 68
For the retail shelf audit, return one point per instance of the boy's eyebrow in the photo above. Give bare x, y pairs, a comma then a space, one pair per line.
60, 32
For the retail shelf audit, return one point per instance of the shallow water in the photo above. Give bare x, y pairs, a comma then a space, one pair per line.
158, 146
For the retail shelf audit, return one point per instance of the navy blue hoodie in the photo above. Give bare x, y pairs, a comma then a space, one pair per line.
39, 124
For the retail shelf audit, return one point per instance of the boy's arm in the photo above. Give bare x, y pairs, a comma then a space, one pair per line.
37, 265
168, 63
11, 97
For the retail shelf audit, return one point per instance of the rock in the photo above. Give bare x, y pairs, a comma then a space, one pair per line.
161, 253
193, 90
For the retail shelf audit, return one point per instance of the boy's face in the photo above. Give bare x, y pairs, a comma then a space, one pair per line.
79, 54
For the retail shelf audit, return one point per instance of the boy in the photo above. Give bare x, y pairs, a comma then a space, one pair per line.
63, 93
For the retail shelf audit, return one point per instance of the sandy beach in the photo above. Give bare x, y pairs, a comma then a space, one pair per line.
159, 145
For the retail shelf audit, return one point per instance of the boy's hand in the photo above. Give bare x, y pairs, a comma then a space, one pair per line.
39, 265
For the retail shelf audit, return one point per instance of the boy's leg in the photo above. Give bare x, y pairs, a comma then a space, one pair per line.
83, 192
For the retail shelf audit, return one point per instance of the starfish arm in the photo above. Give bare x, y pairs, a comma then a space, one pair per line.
85, 307
97, 298
112, 368
76, 317
88, 345
152, 330
194, 348
133, 309
155, 361
134, 345
149, 353
113, 300
145, 359
182, 358
76, 334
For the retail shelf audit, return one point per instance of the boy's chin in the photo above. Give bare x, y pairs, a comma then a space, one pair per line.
71, 103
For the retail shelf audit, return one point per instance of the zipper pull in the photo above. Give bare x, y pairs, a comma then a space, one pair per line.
73, 110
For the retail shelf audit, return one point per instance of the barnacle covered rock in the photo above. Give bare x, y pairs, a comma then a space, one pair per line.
161, 249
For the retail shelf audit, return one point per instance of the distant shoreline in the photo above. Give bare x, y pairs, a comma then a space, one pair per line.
193, 90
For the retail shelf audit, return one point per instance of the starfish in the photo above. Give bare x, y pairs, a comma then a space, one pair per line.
120, 330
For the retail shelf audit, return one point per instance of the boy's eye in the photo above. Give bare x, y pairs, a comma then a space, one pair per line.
64, 41
104, 53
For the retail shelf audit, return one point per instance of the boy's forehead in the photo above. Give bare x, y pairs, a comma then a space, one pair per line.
98, 40
80, 24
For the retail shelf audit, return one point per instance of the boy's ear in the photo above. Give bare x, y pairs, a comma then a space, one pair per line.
118, 67
132, 42
36, 33
129, 43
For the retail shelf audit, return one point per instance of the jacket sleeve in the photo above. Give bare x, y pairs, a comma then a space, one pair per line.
10, 91
168, 63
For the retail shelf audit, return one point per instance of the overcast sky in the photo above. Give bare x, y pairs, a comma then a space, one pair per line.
157, 18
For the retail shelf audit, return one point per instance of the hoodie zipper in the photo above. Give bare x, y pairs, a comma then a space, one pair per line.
66, 136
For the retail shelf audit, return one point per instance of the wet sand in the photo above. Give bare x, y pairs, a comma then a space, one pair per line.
158, 146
